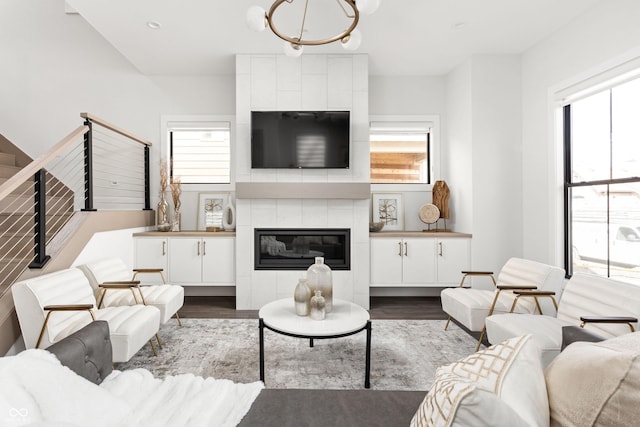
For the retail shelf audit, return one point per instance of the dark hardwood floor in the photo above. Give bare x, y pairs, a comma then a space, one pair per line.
415, 308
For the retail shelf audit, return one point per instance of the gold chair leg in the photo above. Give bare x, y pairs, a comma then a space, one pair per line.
480, 339
447, 325
180, 323
159, 342
44, 326
153, 347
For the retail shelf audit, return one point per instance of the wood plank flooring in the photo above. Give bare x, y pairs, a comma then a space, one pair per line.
415, 308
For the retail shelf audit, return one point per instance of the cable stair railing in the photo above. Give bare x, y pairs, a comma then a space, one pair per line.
97, 166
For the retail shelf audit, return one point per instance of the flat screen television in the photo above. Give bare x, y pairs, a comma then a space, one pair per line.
300, 139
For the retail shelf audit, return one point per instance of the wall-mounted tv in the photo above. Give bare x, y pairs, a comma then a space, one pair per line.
300, 139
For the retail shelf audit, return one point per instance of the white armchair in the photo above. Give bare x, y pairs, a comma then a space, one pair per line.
470, 306
52, 306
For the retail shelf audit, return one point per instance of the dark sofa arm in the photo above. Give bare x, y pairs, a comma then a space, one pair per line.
87, 352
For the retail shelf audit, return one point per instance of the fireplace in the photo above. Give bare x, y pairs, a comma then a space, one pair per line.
297, 248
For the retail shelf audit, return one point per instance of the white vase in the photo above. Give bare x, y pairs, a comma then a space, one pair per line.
318, 306
302, 298
229, 216
319, 279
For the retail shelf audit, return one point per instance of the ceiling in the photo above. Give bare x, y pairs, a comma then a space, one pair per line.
403, 37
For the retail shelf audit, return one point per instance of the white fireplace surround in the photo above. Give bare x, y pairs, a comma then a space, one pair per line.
308, 198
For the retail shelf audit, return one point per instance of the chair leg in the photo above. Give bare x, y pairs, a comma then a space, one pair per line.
159, 342
153, 347
480, 339
447, 325
178, 319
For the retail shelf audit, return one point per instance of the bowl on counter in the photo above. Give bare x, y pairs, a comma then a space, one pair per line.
376, 226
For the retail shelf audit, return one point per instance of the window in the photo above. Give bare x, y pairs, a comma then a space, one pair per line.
602, 183
400, 152
202, 154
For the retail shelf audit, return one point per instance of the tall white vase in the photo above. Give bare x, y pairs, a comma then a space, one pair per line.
229, 216
319, 279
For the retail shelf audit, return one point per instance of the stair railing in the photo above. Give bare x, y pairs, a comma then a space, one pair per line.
96, 166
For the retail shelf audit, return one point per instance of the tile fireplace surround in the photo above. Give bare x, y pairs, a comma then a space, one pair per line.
308, 198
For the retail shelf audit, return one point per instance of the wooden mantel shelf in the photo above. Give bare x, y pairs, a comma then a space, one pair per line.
303, 190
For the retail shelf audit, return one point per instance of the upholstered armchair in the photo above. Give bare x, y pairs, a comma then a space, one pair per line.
53, 306
471, 305
114, 285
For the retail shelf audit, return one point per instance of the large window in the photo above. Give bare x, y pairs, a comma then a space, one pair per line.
400, 152
201, 154
602, 183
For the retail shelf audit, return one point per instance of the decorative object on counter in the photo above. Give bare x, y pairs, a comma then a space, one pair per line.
318, 306
162, 210
440, 197
302, 298
388, 208
429, 214
176, 191
319, 279
210, 211
376, 226
229, 215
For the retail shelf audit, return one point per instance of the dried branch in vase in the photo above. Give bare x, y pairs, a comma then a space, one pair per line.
164, 176
176, 190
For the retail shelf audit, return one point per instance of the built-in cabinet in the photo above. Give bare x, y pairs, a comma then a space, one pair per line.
189, 258
418, 259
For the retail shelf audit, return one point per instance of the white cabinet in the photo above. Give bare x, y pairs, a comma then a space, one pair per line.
189, 260
206, 261
151, 252
418, 261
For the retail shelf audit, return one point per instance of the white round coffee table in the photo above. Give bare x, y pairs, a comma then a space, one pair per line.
345, 318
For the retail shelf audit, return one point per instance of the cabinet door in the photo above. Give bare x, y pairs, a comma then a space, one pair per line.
185, 260
151, 252
453, 257
418, 261
218, 261
386, 261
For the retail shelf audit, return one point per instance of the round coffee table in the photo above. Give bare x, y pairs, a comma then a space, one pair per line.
345, 318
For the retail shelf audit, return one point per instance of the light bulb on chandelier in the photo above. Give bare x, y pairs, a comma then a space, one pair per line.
350, 39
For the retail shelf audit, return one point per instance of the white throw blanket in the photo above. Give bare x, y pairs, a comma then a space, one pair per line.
35, 389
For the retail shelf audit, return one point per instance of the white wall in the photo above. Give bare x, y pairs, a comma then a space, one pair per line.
55, 66
600, 38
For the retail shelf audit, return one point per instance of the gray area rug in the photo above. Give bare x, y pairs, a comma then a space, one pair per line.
404, 354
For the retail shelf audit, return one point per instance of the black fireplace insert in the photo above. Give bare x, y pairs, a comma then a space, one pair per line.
297, 248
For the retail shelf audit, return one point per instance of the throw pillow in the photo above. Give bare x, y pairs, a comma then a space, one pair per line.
502, 385
596, 384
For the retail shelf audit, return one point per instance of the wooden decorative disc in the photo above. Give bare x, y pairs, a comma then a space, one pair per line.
429, 213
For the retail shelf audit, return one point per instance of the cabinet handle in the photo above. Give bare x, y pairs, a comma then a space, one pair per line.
405, 249
198, 248
204, 248
399, 248
164, 245
440, 244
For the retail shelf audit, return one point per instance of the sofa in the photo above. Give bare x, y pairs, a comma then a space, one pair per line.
589, 383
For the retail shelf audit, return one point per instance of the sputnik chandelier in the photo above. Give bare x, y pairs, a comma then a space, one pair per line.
258, 19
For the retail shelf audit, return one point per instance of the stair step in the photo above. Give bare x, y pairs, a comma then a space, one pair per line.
24, 204
16, 224
7, 159
20, 245
27, 185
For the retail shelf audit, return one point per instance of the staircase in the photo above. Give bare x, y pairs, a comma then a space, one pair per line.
17, 220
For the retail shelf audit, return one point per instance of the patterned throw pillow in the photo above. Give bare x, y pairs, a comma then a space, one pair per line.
502, 385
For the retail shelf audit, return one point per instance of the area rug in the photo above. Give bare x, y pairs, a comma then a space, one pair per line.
404, 354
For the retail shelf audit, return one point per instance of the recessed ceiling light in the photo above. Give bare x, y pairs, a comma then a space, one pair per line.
153, 25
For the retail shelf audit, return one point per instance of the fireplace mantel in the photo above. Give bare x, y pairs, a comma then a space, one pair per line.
303, 190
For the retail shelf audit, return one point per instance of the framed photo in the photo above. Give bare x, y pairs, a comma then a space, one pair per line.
210, 209
389, 209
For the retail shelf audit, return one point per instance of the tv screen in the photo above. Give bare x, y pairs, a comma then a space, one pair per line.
299, 139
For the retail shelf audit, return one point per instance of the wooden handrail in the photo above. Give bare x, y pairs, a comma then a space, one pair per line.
29, 171
114, 128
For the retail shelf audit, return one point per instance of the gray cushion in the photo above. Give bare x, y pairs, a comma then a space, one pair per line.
87, 352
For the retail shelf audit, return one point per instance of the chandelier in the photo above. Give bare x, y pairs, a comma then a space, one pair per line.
258, 19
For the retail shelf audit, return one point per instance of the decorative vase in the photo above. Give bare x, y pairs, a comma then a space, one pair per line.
302, 298
175, 226
318, 306
162, 211
229, 216
319, 279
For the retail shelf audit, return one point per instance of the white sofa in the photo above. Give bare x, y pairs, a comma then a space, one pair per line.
585, 295
65, 300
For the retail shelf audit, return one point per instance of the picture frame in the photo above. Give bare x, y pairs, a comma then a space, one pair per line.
211, 207
389, 209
